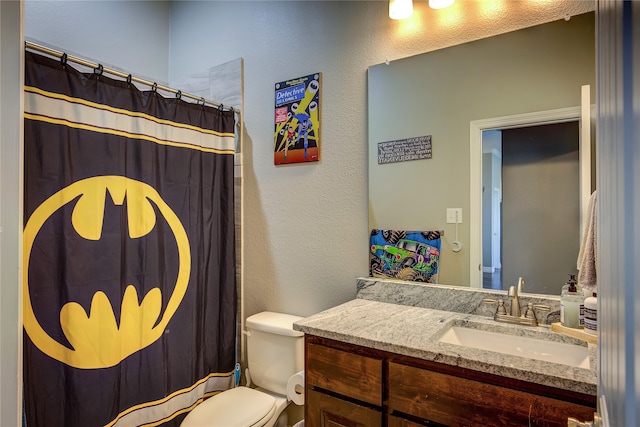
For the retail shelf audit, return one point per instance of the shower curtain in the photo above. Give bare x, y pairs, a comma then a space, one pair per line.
129, 297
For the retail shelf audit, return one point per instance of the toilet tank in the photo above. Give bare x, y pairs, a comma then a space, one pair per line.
275, 351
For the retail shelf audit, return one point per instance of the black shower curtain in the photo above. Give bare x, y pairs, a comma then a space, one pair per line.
129, 297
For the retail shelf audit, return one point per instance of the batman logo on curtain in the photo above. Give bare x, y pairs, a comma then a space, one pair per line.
129, 299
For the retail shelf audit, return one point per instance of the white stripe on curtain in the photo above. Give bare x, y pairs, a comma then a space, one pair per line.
152, 413
81, 114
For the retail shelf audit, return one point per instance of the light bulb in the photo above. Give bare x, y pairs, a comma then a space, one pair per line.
440, 4
400, 9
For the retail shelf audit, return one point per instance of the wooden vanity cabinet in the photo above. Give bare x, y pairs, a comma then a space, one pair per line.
343, 385
453, 400
353, 386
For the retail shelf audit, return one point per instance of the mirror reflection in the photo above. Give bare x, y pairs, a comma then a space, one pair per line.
440, 94
530, 182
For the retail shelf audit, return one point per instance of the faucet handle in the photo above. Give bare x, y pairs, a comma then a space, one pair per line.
542, 307
530, 314
500, 309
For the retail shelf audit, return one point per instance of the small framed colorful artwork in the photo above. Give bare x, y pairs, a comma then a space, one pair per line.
297, 120
405, 255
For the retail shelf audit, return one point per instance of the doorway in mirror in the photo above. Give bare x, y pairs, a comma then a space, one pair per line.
530, 205
492, 280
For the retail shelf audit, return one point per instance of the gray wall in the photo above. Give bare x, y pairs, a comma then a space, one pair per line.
131, 36
540, 206
439, 93
10, 211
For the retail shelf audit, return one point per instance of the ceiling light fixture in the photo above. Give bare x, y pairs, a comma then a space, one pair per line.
440, 4
400, 9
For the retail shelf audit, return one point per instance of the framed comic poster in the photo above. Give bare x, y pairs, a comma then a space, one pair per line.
297, 120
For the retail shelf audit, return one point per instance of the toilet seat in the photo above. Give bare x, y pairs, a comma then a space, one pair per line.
237, 407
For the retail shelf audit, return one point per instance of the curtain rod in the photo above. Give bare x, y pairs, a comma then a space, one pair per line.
120, 74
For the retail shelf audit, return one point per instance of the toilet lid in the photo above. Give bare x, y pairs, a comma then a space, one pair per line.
237, 407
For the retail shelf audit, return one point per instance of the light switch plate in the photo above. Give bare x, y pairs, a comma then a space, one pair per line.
454, 215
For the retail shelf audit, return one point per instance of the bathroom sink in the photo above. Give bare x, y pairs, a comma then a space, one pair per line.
533, 348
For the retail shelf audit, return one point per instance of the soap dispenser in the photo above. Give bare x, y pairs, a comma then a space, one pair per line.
572, 304
591, 314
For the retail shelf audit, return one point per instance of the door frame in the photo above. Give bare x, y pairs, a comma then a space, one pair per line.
559, 115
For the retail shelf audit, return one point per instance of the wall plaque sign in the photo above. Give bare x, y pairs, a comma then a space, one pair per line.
402, 150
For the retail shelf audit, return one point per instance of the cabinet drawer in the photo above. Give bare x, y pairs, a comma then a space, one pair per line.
328, 411
457, 401
348, 374
400, 422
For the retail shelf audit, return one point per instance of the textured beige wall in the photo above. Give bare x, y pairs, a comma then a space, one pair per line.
306, 226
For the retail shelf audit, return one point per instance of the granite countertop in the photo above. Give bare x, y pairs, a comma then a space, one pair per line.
414, 331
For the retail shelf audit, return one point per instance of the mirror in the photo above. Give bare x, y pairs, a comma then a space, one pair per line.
440, 94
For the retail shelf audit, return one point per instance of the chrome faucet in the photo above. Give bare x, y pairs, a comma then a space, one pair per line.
515, 312
514, 309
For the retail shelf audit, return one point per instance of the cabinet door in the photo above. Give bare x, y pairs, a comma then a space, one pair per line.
323, 410
455, 401
400, 422
345, 373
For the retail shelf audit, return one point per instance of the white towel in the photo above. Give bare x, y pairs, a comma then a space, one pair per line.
588, 255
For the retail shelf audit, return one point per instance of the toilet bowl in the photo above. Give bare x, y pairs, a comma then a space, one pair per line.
275, 354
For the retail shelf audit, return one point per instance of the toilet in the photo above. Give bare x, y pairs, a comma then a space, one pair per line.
275, 352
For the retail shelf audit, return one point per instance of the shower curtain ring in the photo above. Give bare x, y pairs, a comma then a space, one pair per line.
63, 60
179, 94
201, 100
154, 88
129, 77
99, 70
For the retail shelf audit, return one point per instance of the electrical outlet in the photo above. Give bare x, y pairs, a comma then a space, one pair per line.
454, 215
